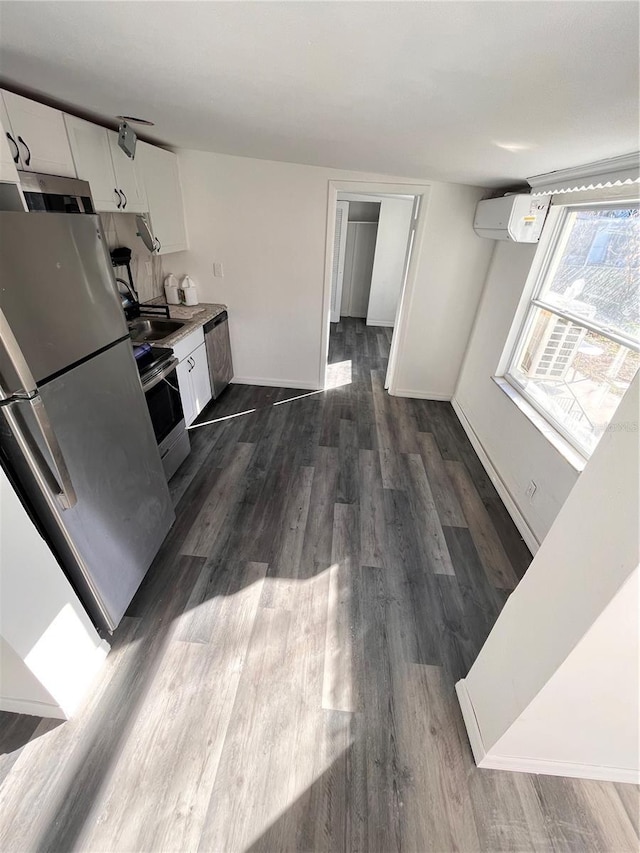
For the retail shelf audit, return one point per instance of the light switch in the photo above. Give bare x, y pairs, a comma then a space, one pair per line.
218, 270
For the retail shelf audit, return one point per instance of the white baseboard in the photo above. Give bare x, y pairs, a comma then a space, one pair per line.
420, 395
275, 383
470, 722
32, 707
545, 767
389, 324
505, 495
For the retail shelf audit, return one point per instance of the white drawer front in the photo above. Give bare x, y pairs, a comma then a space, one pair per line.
187, 345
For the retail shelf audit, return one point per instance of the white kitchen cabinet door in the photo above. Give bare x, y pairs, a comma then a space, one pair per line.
200, 380
41, 136
8, 149
185, 385
194, 383
128, 178
159, 169
92, 157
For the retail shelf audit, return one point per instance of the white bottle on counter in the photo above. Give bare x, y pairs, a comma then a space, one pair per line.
171, 290
189, 291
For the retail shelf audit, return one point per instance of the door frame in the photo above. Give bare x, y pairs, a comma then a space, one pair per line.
404, 303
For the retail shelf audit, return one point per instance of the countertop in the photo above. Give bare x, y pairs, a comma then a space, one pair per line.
194, 316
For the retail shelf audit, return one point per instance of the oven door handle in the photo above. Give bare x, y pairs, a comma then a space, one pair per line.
158, 377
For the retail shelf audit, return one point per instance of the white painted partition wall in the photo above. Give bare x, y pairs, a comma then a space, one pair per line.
49, 650
555, 688
267, 223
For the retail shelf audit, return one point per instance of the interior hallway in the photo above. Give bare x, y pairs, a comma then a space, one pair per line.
284, 679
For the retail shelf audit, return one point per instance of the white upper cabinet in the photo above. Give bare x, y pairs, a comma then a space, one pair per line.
40, 136
115, 181
128, 178
92, 157
159, 169
37, 138
8, 149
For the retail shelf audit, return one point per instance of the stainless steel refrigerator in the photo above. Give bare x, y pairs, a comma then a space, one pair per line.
75, 434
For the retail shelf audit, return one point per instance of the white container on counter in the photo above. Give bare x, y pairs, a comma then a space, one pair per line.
171, 290
189, 291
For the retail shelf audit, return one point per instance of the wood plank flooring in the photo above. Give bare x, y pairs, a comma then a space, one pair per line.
284, 679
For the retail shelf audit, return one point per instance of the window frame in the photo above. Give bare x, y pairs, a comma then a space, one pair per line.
551, 247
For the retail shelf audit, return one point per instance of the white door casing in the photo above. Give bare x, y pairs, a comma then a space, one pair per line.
393, 353
374, 188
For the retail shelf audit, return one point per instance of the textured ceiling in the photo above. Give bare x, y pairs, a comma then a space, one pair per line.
477, 92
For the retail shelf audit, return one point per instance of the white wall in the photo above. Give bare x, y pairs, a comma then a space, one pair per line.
601, 678
266, 222
388, 262
517, 450
538, 688
451, 269
50, 649
20, 689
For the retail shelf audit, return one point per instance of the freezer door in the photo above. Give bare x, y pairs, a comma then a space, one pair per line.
108, 539
58, 290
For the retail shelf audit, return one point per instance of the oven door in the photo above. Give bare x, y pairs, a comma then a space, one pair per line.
163, 400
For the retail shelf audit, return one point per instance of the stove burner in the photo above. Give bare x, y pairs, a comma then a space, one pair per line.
150, 360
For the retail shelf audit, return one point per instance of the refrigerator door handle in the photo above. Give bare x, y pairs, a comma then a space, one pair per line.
17, 359
29, 394
66, 493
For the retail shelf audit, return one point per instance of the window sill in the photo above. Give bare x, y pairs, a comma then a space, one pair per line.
564, 448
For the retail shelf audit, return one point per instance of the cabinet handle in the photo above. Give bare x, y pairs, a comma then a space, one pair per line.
124, 204
192, 364
115, 189
16, 156
28, 160
158, 244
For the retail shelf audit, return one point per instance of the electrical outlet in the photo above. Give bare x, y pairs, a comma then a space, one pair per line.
532, 488
218, 271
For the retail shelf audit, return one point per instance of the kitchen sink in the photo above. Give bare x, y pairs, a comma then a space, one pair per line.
152, 328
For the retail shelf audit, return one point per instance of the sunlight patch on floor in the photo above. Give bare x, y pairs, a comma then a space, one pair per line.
340, 373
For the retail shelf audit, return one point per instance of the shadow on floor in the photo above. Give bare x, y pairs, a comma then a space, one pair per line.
260, 490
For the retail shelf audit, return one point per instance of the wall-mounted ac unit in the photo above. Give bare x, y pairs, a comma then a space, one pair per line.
513, 217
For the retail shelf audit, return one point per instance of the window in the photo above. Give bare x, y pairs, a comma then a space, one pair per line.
578, 348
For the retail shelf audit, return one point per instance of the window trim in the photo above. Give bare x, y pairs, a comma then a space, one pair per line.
530, 301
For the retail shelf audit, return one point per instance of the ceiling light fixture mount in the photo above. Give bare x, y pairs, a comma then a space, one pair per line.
134, 120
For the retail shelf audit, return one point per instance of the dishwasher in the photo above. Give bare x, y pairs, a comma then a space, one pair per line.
216, 337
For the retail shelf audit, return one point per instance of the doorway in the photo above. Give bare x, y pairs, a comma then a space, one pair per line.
371, 251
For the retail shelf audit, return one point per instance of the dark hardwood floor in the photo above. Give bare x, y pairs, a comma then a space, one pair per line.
284, 679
